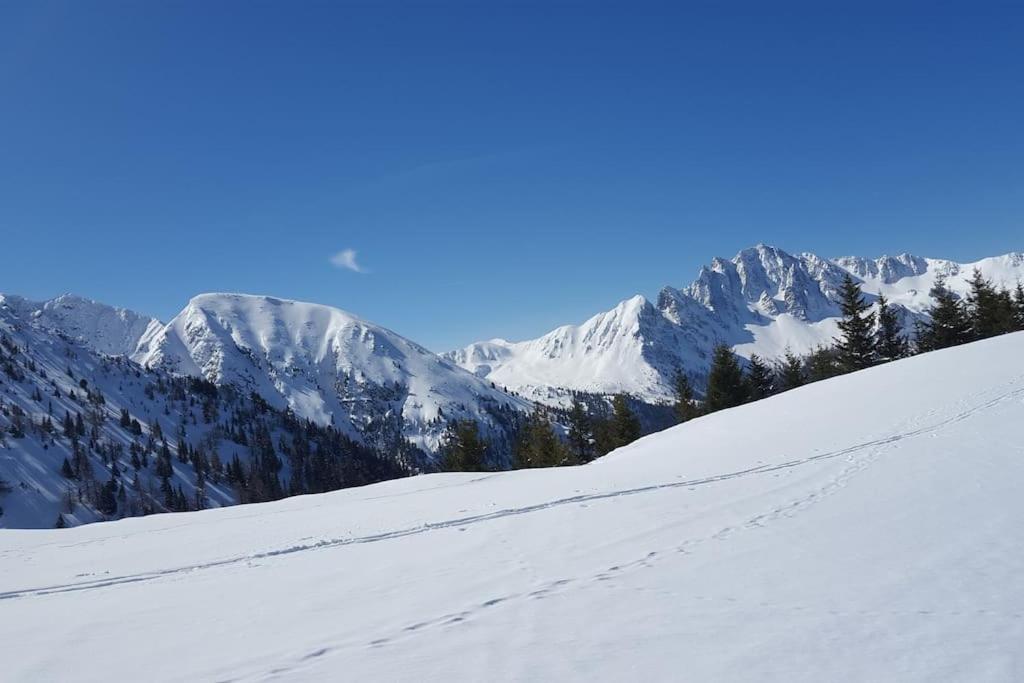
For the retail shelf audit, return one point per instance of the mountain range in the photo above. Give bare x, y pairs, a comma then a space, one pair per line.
71, 356
762, 301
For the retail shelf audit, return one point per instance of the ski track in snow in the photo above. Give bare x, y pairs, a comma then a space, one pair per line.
868, 453
869, 450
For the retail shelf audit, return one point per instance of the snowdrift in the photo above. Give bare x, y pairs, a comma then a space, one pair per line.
862, 528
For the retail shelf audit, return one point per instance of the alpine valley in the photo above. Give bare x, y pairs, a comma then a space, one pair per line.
243, 398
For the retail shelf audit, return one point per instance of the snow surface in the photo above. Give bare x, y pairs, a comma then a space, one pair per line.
762, 301
861, 528
31, 466
105, 329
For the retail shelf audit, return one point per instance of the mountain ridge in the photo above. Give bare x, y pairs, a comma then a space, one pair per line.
764, 300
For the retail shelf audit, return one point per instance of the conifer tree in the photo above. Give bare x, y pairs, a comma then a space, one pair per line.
791, 371
890, 344
760, 378
625, 424
462, 448
61, 524
990, 312
537, 445
685, 407
726, 387
855, 347
108, 498
580, 432
822, 363
66, 471
949, 324
1018, 306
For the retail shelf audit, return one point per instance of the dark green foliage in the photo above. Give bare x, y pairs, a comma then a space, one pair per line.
580, 432
685, 407
625, 425
108, 498
760, 378
61, 524
949, 324
726, 386
1018, 306
990, 311
791, 371
890, 343
463, 449
855, 348
822, 363
617, 429
537, 445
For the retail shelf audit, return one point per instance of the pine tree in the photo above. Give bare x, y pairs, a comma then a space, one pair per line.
685, 407
856, 347
61, 524
822, 363
580, 432
990, 313
108, 498
1018, 306
890, 344
625, 425
791, 371
462, 448
726, 388
537, 445
66, 471
760, 378
949, 324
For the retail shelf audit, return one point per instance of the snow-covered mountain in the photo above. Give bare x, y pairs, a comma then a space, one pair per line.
863, 528
761, 301
105, 329
127, 380
326, 365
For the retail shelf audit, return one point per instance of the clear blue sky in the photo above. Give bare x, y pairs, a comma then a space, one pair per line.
498, 170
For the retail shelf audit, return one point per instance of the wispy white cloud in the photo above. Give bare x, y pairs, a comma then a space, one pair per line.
346, 258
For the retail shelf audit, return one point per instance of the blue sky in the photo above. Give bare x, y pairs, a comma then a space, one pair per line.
497, 170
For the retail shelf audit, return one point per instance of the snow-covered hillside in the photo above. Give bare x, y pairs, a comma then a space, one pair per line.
762, 301
86, 436
105, 329
326, 365
859, 528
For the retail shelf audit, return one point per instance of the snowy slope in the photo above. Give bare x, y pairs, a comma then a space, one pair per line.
52, 369
105, 329
762, 301
326, 365
860, 528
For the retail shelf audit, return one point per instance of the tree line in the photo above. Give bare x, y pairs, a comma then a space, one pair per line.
866, 338
551, 437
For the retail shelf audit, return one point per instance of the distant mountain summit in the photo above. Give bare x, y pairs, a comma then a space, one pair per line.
105, 329
761, 301
326, 365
